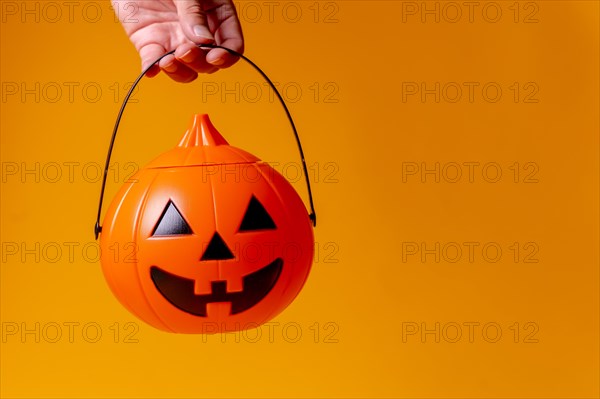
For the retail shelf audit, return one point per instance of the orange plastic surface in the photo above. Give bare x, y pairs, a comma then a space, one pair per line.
242, 247
202, 144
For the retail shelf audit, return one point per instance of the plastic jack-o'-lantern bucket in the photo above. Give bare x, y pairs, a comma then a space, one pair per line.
222, 241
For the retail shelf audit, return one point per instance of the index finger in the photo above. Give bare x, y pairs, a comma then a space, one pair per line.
228, 34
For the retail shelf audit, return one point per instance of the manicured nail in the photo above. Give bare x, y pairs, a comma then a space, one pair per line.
187, 57
170, 67
217, 61
202, 32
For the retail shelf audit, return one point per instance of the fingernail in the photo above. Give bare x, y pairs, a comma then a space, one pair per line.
170, 67
187, 57
217, 61
202, 32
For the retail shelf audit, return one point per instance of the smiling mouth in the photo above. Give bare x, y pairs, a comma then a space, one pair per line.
179, 291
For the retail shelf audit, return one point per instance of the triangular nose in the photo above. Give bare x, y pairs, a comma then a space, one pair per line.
217, 249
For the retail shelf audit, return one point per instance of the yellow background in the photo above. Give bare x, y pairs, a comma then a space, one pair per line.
362, 281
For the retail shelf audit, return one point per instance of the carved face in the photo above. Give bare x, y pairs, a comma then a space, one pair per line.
218, 247
242, 295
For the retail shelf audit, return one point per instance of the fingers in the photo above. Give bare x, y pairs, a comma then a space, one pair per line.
182, 67
194, 21
149, 53
228, 34
197, 18
194, 58
195, 24
222, 58
177, 70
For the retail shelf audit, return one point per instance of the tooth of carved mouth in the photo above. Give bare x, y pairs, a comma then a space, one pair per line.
179, 291
202, 287
235, 284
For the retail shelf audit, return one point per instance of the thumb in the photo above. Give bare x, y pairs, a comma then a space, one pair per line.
193, 21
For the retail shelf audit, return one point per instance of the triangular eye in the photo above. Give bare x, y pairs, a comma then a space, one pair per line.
171, 223
256, 217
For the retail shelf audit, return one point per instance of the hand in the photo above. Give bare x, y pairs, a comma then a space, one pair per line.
158, 26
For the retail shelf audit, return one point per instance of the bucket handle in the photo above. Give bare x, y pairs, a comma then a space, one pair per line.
312, 215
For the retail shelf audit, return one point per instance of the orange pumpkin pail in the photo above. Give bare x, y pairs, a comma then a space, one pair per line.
222, 241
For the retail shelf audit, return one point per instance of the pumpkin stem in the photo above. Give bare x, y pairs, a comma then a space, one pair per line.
201, 131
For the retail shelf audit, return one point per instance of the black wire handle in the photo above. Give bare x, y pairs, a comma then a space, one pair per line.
312, 215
